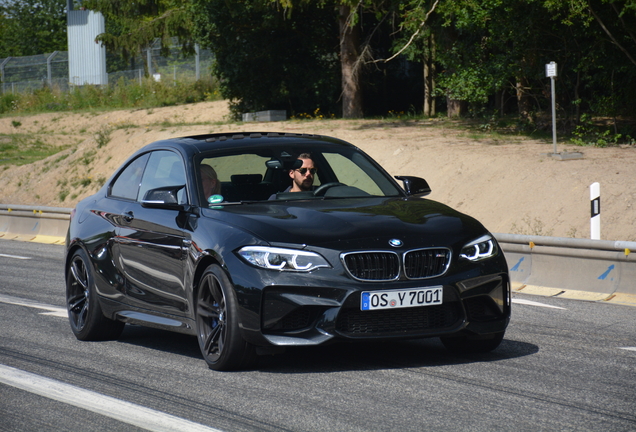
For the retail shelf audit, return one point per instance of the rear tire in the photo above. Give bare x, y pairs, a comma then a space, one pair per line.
473, 344
220, 340
85, 315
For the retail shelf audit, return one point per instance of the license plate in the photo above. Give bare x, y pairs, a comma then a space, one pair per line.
374, 300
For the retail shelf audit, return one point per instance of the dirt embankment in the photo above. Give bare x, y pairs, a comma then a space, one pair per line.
509, 183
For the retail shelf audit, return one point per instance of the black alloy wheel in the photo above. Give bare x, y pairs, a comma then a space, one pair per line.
218, 331
85, 315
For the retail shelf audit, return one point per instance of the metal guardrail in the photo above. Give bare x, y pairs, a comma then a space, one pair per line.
36, 209
557, 265
565, 242
540, 265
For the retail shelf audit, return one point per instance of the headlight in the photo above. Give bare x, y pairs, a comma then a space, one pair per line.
282, 259
482, 248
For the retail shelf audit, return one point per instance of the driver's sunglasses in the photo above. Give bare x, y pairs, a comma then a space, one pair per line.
303, 171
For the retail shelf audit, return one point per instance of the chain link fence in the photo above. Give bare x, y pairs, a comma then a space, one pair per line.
23, 74
26, 74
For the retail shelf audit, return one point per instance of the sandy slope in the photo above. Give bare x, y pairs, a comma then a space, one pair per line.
509, 184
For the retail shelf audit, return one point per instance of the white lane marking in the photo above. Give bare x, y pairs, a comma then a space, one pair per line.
14, 256
117, 409
533, 303
52, 310
628, 348
62, 313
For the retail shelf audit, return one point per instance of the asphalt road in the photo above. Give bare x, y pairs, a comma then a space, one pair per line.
564, 365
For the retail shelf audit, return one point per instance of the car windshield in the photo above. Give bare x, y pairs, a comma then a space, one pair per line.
261, 174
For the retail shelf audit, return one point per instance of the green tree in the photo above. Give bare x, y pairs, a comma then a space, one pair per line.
361, 40
495, 47
487, 46
601, 61
267, 60
133, 26
301, 55
415, 39
317, 34
31, 27
4, 25
616, 19
349, 43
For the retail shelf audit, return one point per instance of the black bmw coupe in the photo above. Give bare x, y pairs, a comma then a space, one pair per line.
209, 236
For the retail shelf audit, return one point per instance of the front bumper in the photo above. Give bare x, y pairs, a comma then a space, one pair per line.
301, 315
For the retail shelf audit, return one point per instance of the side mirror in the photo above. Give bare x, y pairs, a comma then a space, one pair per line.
415, 186
163, 198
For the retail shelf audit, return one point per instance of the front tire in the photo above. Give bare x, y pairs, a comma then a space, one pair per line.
85, 315
220, 340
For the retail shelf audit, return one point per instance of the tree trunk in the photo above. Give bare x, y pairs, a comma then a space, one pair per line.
577, 98
349, 56
523, 101
500, 101
455, 108
429, 78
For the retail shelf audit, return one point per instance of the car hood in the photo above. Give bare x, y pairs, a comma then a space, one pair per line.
352, 223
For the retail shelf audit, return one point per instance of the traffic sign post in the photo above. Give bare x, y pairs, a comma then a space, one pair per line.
551, 72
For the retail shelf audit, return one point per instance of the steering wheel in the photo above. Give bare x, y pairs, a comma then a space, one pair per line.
320, 191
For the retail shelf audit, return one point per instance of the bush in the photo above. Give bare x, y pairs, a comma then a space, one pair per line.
8, 103
589, 132
123, 94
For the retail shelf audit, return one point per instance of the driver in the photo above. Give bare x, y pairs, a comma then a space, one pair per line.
303, 177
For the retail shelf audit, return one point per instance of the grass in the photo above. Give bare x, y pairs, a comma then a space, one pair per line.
533, 227
22, 149
168, 124
103, 136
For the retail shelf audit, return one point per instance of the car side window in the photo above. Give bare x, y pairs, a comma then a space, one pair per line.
164, 168
126, 185
241, 177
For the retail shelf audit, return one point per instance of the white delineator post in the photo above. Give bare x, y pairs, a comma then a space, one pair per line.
595, 204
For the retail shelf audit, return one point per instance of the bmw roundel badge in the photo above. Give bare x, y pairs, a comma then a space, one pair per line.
395, 242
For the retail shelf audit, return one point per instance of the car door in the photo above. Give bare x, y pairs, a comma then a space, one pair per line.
152, 247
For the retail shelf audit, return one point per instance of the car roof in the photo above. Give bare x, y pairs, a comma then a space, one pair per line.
245, 140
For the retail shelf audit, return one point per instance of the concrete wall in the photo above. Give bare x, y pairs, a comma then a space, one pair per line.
38, 224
